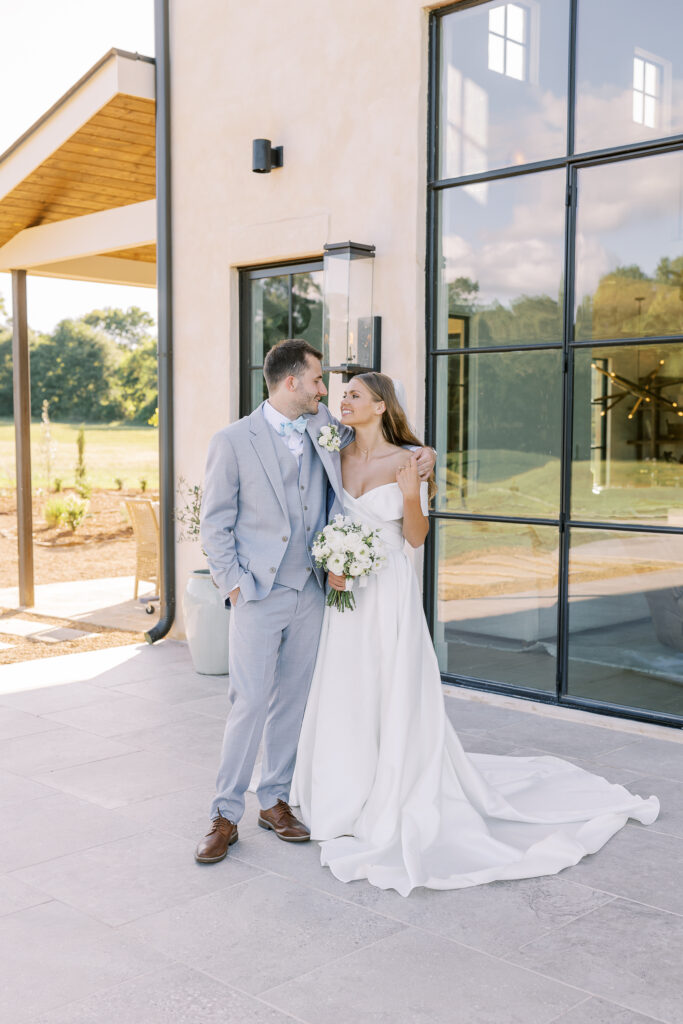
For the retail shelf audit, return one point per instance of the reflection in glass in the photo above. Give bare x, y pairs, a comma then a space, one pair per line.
307, 307
629, 72
282, 306
626, 618
499, 433
496, 615
269, 314
503, 85
501, 258
628, 434
629, 249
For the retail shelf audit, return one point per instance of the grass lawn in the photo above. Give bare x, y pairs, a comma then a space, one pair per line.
129, 453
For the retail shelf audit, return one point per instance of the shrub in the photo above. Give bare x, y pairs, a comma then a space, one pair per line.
70, 511
143, 484
118, 483
75, 513
81, 471
84, 488
58, 484
54, 511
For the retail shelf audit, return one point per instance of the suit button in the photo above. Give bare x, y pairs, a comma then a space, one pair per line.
308, 569
308, 528
273, 569
285, 539
305, 508
303, 488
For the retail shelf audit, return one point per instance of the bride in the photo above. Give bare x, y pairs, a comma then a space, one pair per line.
381, 777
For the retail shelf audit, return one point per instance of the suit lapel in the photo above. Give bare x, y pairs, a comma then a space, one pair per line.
263, 444
330, 462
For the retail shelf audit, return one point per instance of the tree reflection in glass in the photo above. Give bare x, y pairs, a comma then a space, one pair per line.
501, 258
498, 433
629, 249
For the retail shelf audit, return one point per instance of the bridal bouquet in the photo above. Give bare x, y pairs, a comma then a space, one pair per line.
347, 548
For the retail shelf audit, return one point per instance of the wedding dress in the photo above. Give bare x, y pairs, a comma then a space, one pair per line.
381, 777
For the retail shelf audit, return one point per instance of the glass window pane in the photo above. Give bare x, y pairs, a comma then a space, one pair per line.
629, 249
497, 19
628, 434
497, 602
503, 85
499, 433
258, 389
515, 61
626, 618
496, 53
501, 261
623, 45
307, 307
515, 22
269, 314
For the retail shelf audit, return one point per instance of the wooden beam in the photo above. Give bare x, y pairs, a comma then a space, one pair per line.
22, 436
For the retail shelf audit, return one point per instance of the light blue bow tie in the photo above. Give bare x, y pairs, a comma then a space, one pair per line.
288, 426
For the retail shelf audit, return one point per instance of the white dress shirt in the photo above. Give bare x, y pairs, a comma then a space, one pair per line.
294, 441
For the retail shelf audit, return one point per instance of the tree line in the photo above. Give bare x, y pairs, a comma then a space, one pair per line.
99, 368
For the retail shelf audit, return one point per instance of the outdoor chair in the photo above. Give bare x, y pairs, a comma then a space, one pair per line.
145, 522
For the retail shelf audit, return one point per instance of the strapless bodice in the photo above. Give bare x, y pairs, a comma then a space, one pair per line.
380, 508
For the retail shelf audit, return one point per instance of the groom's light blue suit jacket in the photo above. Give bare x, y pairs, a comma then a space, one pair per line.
244, 517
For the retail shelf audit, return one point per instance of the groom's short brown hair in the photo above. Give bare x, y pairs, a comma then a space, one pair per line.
287, 358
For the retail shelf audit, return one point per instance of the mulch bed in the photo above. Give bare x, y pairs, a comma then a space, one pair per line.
103, 546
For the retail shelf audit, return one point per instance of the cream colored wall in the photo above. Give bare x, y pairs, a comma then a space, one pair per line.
342, 85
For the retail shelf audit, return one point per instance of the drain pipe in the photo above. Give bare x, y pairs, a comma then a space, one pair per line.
165, 300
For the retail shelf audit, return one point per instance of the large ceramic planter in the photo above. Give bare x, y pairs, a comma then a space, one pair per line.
206, 624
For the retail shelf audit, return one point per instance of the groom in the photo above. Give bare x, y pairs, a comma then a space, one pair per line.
269, 487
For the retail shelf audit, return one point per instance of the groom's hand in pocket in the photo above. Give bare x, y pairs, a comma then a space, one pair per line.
336, 582
233, 595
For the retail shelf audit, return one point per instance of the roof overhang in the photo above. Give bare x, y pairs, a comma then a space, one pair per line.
77, 189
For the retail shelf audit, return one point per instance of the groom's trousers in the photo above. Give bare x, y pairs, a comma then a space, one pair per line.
273, 646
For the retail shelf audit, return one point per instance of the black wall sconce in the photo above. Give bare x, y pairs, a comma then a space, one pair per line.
264, 156
352, 336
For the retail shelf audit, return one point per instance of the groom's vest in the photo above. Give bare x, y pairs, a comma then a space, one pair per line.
305, 491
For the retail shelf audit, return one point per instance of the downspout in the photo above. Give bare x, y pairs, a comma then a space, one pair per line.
165, 300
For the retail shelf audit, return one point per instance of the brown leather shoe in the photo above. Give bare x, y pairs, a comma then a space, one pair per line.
281, 820
214, 845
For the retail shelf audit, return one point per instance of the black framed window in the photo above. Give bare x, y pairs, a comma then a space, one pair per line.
276, 302
555, 350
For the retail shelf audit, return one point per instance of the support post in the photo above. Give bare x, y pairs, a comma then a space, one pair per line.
22, 437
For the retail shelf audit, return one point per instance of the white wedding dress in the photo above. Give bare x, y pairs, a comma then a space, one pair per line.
381, 777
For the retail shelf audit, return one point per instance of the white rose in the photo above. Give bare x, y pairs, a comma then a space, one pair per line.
335, 564
355, 569
354, 543
322, 551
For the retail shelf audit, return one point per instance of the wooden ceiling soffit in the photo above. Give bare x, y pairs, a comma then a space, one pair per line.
108, 162
144, 253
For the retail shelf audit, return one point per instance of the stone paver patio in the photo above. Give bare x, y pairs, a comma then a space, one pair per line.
107, 763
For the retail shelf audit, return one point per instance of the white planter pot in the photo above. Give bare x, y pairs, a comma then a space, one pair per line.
206, 624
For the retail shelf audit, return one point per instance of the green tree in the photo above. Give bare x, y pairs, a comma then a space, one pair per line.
136, 382
73, 369
130, 327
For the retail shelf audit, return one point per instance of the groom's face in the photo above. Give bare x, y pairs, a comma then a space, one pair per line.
310, 387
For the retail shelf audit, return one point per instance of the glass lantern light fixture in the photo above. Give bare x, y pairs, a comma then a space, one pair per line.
351, 334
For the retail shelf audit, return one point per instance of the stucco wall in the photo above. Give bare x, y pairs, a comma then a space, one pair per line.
342, 85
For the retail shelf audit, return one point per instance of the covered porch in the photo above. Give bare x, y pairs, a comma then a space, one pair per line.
77, 202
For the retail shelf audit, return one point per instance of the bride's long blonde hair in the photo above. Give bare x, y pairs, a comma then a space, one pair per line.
395, 427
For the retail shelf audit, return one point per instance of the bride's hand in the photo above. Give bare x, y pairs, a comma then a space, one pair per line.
336, 582
408, 478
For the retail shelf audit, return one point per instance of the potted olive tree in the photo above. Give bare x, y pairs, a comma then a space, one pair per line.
206, 617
